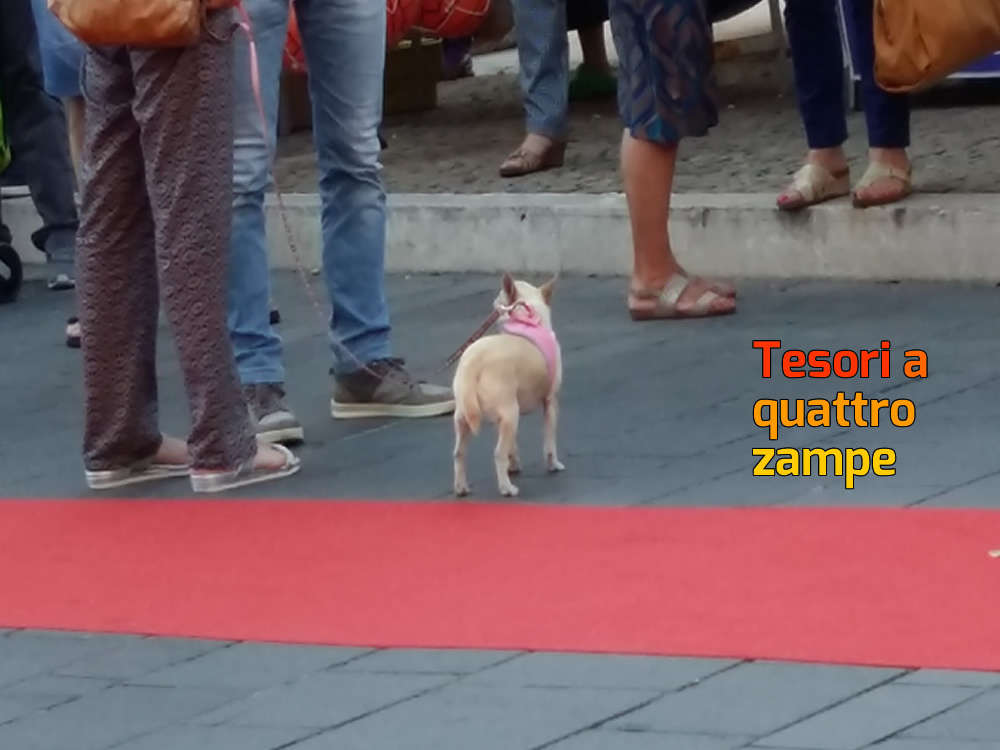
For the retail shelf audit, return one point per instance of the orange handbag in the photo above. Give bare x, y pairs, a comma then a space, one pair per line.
136, 23
921, 42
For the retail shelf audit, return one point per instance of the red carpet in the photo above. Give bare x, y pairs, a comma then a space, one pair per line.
905, 588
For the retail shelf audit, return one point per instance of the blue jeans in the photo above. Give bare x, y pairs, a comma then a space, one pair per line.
62, 53
36, 126
344, 43
817, 56
543, 56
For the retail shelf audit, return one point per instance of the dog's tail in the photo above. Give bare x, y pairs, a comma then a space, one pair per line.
469, 409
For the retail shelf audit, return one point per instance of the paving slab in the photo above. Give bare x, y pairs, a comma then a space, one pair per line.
101, 720
606, 740
25, 655
870, 717
950, 677
754, 699
141, 657
324, 700
486, 717
216, 738
911, 744
601, 671
427, 661
975, 720
250, 665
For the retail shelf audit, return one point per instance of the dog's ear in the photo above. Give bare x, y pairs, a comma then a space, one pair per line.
509, 289
548, 288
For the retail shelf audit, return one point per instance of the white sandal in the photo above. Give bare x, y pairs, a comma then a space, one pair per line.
246, 474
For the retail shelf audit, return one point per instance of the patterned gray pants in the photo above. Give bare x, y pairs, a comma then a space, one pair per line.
154, 225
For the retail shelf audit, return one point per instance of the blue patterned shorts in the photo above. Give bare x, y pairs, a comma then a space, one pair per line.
666, 89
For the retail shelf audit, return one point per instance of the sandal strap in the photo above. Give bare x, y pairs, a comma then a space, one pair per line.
524, 159
668, 295
813, 182
878, 171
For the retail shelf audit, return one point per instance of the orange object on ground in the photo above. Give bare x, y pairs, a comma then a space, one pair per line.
453, 19
401, 17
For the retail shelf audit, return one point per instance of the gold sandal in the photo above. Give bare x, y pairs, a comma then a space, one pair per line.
878, 172
812, 185
661, 304
524, 162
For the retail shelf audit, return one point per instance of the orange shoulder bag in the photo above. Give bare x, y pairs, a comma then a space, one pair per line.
920, 42
136, 23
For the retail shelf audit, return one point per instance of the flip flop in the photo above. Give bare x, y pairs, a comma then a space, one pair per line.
813, 184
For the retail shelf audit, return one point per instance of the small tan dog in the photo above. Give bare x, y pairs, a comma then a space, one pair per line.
511, 373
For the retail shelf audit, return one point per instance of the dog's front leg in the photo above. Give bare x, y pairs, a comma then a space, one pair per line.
550, 421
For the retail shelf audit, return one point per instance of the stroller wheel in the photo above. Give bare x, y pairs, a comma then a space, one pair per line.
11, 274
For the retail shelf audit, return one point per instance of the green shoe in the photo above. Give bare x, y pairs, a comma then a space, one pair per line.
588, 83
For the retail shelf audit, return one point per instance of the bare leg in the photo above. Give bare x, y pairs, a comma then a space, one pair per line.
462, 433
551, 421
648, 174
594, 49
75, 123
506, 440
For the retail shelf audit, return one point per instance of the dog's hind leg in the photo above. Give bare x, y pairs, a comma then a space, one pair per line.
549, 424
462, 434
514, 460
506, 445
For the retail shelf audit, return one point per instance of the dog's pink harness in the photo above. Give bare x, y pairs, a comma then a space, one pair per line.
524, 322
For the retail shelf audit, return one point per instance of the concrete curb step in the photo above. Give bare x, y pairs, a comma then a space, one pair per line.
948, 237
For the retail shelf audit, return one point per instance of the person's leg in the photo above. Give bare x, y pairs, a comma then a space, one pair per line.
543, 56
344, 42
117, 292
37, 129
818, 62
652, 66
75, 125
887, 117
256, 345
593, 78
183, 104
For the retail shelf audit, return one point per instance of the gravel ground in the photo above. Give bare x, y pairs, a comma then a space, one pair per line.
459, 146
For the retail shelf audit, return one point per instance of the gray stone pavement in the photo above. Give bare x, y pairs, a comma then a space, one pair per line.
655, 414
759, 143
67, 691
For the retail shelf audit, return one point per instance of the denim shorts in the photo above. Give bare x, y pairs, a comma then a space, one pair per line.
62, 53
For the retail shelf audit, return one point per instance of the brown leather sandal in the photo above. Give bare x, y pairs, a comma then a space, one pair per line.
524, 162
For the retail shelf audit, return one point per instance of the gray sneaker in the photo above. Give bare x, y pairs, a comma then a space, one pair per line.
390, 392
273, 421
